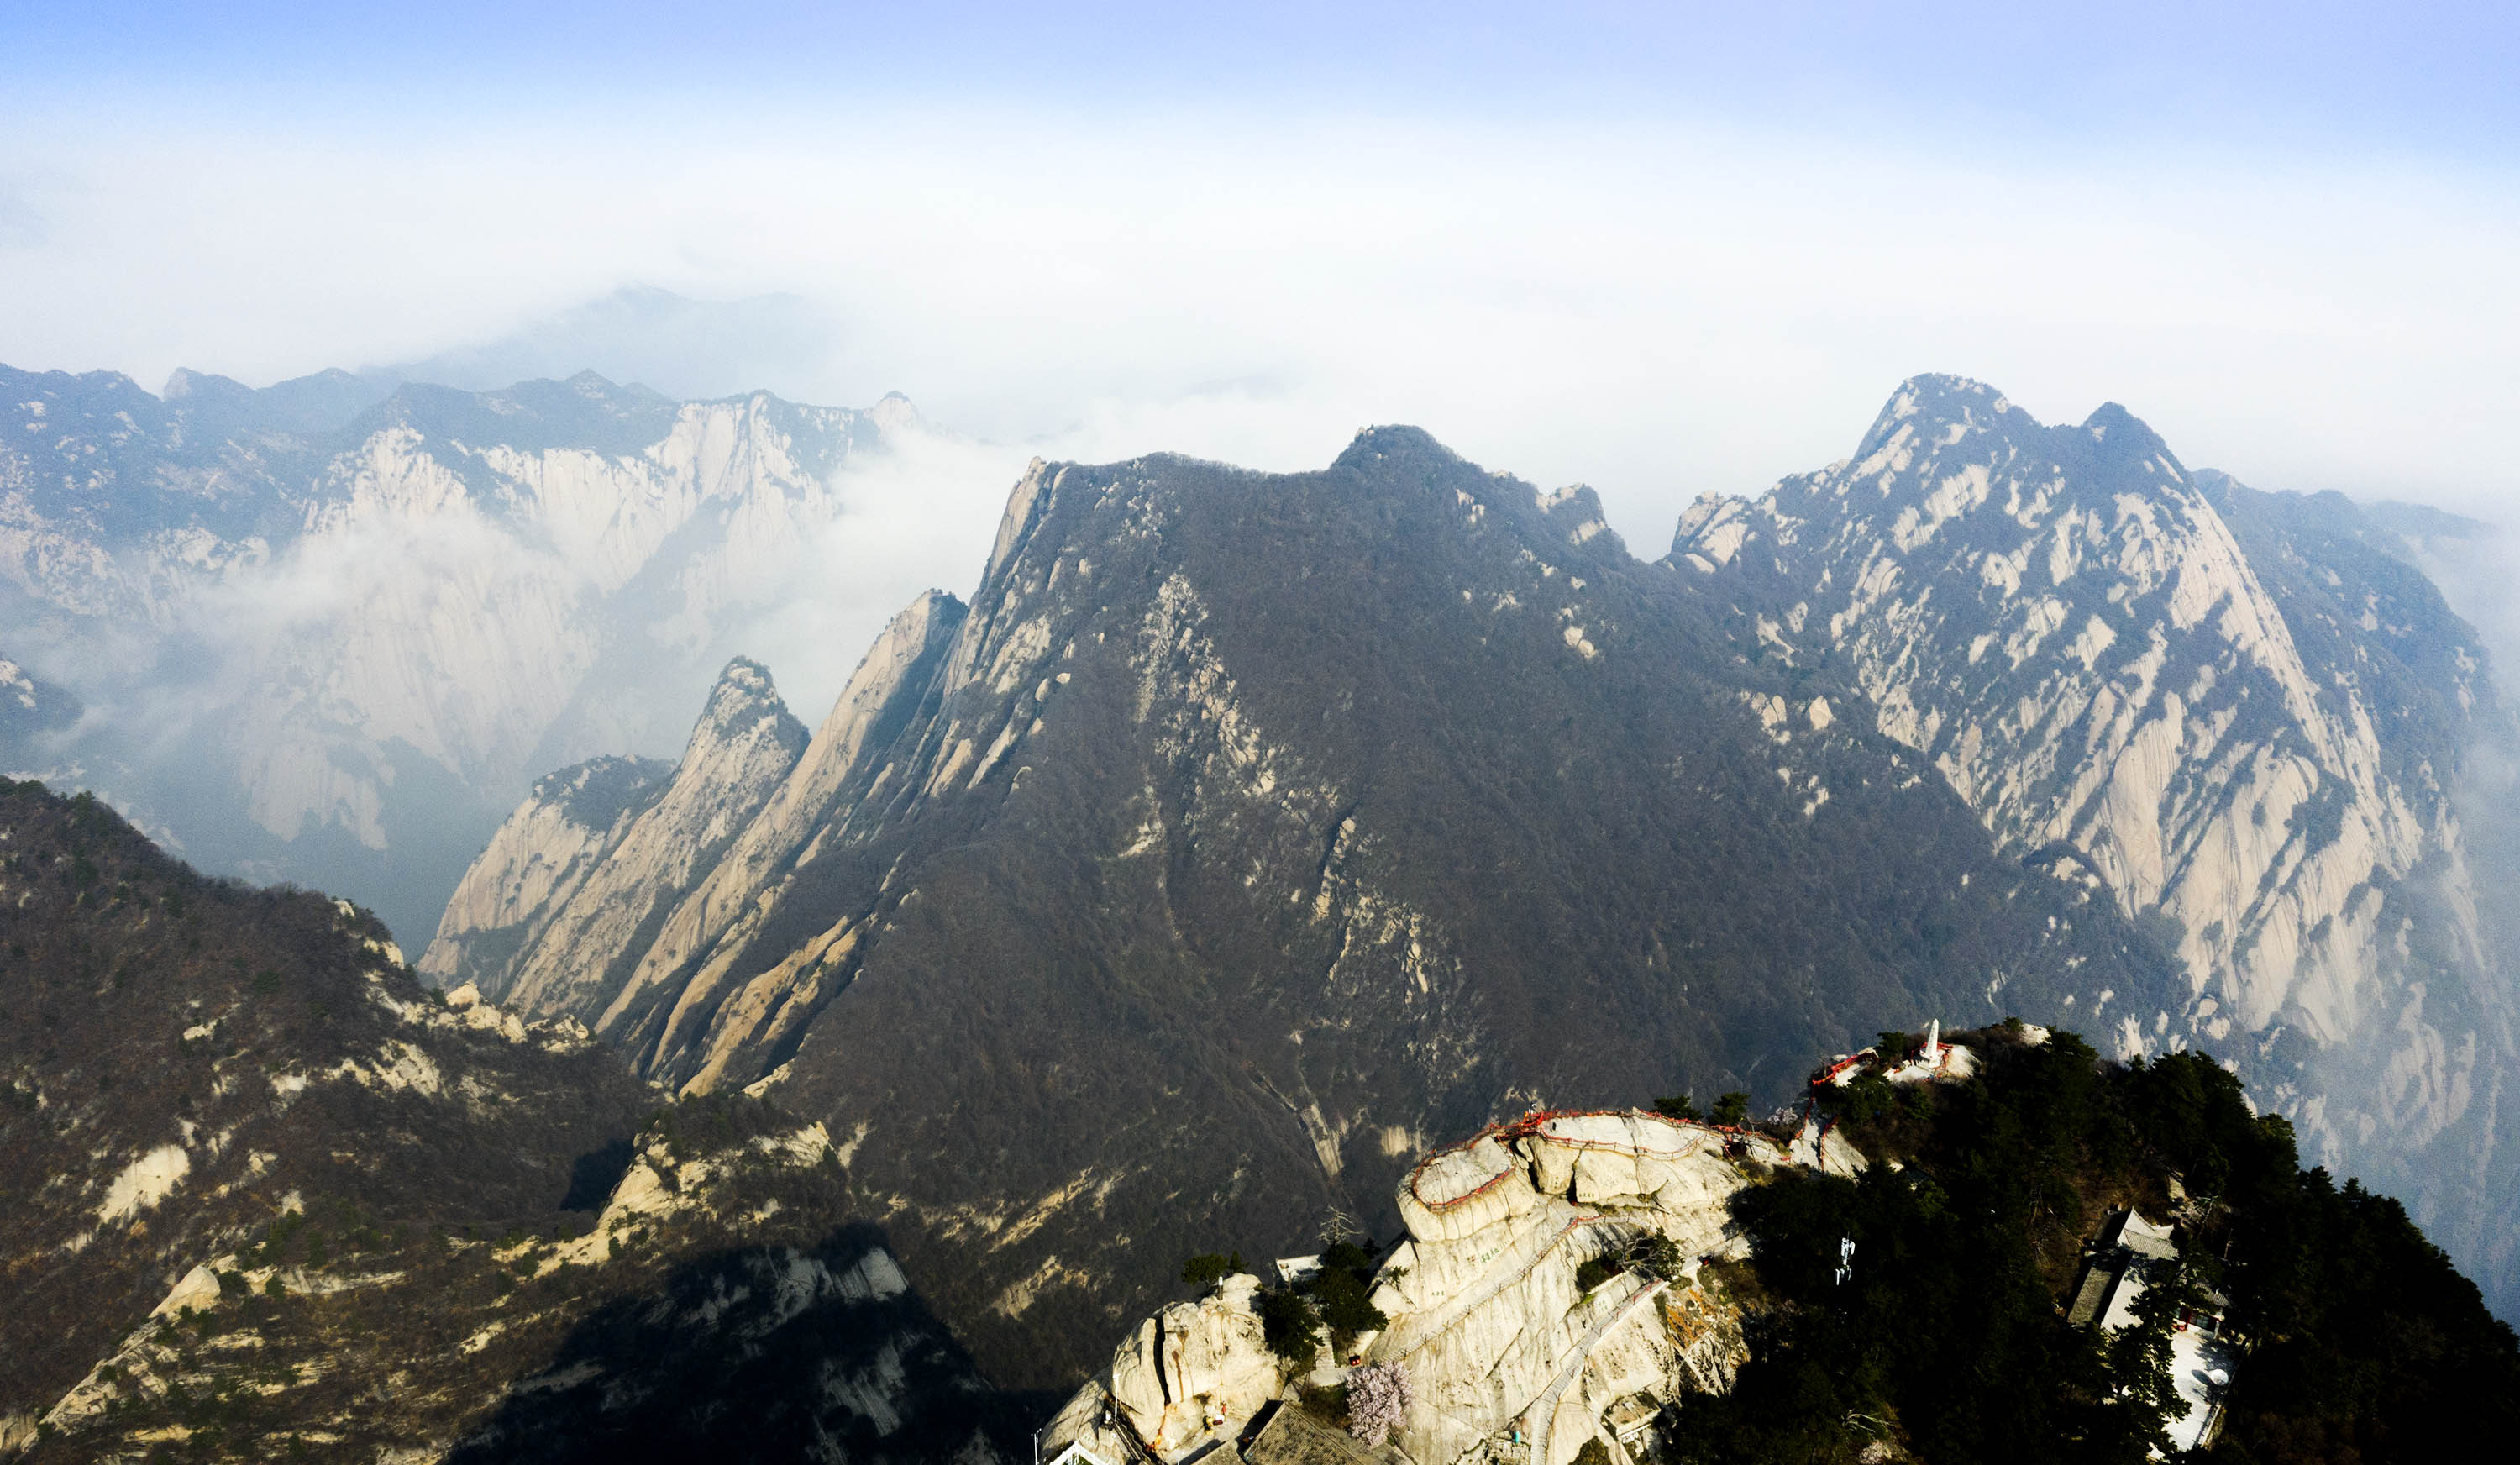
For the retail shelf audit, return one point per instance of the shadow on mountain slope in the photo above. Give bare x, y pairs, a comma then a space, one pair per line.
760, 1354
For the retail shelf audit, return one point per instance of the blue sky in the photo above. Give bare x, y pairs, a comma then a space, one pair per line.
2432, 78
1659, 248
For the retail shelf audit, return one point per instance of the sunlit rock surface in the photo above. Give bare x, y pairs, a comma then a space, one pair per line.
1246, 829
566, 901
2235, 714
1508, 1355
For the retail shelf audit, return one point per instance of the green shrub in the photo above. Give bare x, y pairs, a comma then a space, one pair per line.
1656, 1255
1961, 1258
1287, 1324
1208, 1268
1347, 1256
1732, 1109
1681, 1106
1346, 1305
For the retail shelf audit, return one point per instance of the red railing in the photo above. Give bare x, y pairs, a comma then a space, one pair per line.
1531, 1123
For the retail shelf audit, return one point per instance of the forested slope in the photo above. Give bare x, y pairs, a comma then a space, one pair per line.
2358, 1339
269, 1195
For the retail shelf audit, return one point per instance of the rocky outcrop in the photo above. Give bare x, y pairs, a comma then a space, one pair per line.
376, 625
595, 896
1508, 1354
534, 863
712, 925
689, 872
1196, 1370
2225, 711
1488, 1314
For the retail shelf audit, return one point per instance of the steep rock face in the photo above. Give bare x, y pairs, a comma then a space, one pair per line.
692, 959
539, 858
2227, 710
1508, 1353
376, 626
1248, 827
1194, 1361
1489, 1316
568, 936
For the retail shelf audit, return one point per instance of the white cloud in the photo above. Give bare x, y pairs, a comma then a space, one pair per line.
1655, 309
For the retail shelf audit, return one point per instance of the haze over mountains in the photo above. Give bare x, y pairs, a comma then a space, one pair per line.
1243, 833
327, 633
1396, 788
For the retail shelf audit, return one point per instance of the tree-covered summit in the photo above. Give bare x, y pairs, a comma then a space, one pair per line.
1948, 1340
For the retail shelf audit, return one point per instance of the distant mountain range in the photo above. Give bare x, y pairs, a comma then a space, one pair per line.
330, 630
1242, 833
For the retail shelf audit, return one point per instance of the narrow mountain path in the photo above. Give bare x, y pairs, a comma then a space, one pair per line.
1543, 1413
1511, 1267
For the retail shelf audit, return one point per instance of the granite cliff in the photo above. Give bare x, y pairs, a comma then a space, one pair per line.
2239, 717
2049, 1255
1245, 829
1511, 1303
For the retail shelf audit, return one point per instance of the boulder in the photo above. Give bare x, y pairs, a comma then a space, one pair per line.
1196, 1369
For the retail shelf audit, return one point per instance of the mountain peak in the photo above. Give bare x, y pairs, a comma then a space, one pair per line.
2122, 433
744, 710
896, 413
186, 383
1398, 440
1941, 395
1577, 509
743, 690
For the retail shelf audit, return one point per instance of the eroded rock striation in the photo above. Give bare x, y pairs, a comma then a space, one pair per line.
1244, 829
555, 912
2236, 715
1512, 1348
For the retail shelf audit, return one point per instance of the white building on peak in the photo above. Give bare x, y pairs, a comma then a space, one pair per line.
1931, 1060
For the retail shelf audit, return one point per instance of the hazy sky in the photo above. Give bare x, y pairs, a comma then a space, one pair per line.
1658, 248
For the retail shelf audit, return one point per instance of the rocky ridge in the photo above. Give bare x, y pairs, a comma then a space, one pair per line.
596, 858
2231, 713
1147, 887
